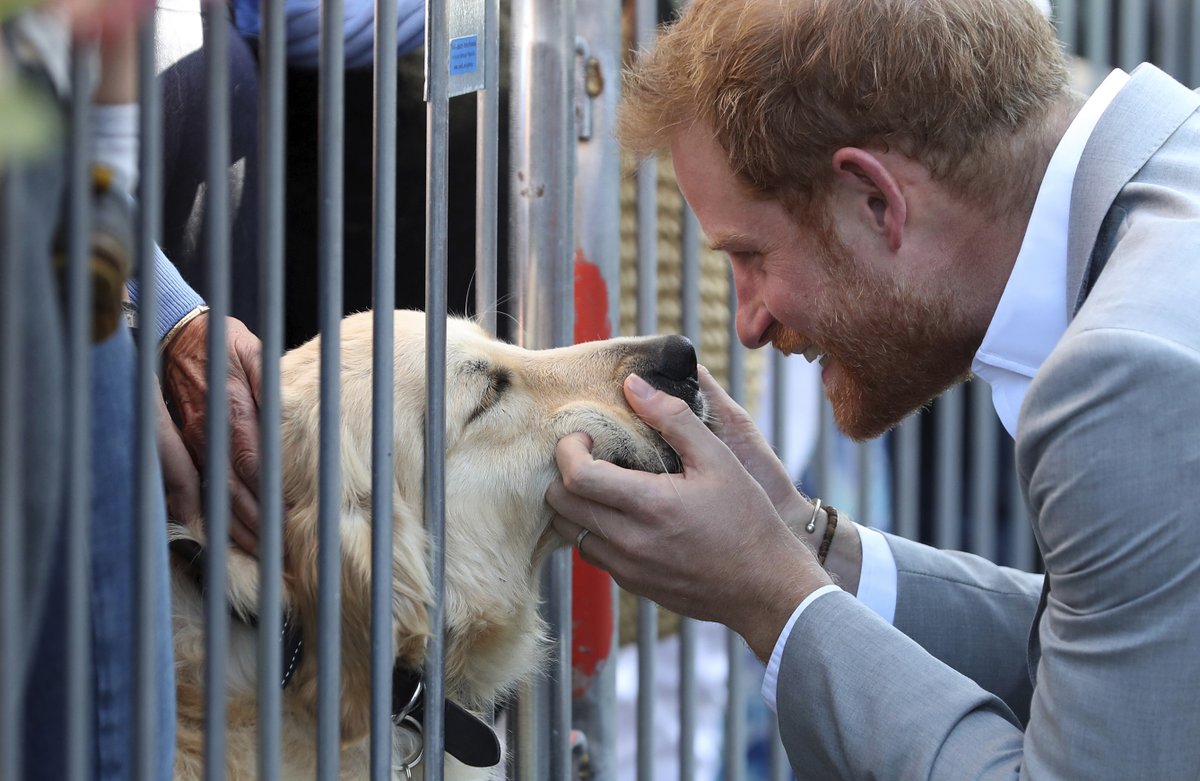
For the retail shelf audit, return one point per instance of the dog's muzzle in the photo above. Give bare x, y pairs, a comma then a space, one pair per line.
669, 365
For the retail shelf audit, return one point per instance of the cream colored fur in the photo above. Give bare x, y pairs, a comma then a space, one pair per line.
498, 466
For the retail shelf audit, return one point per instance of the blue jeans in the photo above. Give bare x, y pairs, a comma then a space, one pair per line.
113, 586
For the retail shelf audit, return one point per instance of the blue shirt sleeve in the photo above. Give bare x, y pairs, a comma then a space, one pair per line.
303, 20
175, 297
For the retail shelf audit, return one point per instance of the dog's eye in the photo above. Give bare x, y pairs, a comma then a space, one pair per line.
498, 382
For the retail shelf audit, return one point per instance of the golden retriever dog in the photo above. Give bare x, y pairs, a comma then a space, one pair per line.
506, 408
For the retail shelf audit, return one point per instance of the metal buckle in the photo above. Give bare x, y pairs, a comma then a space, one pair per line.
412, 760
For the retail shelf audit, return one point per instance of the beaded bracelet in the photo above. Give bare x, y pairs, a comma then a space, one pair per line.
827, 539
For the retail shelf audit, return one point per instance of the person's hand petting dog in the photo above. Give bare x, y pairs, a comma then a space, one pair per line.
708, 543
185, 366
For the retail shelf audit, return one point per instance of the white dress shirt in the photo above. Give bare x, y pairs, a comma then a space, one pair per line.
1029, 320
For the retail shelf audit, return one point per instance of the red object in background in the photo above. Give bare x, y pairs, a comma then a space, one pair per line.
591, 587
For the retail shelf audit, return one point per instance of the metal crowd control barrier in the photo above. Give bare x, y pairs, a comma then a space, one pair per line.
945, 476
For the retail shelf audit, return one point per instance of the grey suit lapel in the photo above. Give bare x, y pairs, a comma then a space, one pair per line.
1153, 106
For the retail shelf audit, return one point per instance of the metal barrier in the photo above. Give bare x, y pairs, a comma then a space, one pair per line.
561, 148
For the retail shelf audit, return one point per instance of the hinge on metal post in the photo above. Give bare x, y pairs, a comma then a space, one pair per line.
581, 759
593, 85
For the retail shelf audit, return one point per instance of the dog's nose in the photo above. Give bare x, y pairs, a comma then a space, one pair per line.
671, 367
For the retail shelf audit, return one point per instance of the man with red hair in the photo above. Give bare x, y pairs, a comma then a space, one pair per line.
911, 192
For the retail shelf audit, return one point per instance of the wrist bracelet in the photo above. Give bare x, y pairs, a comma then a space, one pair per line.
175, 329
811, 526
827, 539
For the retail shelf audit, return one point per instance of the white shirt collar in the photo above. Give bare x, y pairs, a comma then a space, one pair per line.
1032, 314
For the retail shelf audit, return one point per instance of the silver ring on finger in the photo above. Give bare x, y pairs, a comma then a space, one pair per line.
579, 539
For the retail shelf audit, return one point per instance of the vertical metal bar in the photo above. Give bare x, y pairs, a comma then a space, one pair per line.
11, 637
690, 316
863, 476
330, 197
437, 76
907, 470
382, 424
148, 483
597, 219
560, 18
1168, 28
1133, 22
984, 445
271, 145
735, 712
647, 323
735, 717
487, 178
1194, 49
543, 140
1098, 44
828, 440
216, 493
780, 409
1066, 17
79, 307
948, 415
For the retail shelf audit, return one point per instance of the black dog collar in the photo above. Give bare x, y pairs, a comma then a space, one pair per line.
194, 557
468, 738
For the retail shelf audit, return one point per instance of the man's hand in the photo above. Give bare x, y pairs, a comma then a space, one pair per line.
738, 431
707, 543
185, 363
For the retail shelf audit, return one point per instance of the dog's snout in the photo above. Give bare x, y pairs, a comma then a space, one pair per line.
671, 367
676, 359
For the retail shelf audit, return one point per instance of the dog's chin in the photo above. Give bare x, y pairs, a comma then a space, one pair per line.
658, 459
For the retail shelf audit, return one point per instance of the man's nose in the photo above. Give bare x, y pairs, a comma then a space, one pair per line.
752, 318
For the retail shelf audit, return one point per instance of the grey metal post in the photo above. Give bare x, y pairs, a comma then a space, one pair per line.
1169, 32
735, 709
148, 491
777, 762
690, 290
1134, 19
984, 446
382, 424
948, 415
12, 639
487, 179
78, 523
907, 471
329, 238
597, 219
646, 12
1066, 16
828, 438
216, 421
1099, 35
1195, 48
271, 146
437, 75
863, 477
543, 138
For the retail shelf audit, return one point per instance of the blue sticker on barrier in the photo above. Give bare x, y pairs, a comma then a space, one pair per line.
464, 54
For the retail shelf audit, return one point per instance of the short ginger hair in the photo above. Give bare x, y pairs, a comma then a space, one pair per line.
961, 86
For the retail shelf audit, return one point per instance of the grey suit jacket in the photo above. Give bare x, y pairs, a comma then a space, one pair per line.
987, 674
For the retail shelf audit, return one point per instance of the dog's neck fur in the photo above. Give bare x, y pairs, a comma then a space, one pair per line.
483, 662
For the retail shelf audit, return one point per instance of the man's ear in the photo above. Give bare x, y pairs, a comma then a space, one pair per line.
871, 184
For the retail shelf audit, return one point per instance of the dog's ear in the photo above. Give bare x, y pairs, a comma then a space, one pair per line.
190, 545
